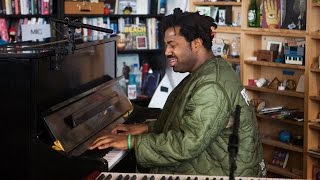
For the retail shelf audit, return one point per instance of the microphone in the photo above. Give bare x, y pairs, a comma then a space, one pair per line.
77, 24
233, 145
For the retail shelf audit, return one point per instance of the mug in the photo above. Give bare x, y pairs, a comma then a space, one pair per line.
261, 82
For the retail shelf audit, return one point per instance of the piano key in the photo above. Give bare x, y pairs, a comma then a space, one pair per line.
113, 157
141, 176
119, 177
101, 177
108, 177
145, 177
170, 178
134, 177
126, 177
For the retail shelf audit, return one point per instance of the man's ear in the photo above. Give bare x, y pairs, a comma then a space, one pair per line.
198, 43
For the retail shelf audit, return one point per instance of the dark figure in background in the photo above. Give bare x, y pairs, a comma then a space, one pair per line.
192, 132
125, 70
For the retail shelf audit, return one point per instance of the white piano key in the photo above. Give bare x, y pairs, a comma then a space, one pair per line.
142, 176
113, 157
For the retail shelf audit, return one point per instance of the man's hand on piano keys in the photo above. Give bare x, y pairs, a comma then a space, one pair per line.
119, 137
132, 129
118, 141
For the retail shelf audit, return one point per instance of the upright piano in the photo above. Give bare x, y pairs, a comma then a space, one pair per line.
39, 82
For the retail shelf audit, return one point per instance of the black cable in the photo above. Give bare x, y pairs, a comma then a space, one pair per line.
233, 145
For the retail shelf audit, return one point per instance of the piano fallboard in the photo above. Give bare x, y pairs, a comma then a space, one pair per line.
142, 176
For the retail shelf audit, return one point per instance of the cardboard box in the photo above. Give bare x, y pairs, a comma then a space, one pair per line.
83, 7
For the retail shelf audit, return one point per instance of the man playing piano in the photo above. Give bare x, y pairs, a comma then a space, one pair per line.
191, 136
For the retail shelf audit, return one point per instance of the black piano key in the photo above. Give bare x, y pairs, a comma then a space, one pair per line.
108, 177
177, 178
163, 178
188, 178
134, 177
119, 177
207, 178
145, 177
126, 177
196, 178
152, 178
101, 177
170, 178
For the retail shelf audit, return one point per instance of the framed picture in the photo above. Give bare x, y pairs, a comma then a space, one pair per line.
110, 6
274, 46
126, 7
141, 42
222, 17
125, 63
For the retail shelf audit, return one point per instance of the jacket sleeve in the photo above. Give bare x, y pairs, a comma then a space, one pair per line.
205, 115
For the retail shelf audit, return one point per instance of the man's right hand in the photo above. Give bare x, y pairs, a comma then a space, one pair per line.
132, 129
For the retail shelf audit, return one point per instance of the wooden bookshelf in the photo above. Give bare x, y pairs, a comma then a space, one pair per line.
273, 64
282, 171
220, 3
254, 39
287, 121
282, 145
274, 91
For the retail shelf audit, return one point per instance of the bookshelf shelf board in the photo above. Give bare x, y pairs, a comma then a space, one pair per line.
288, 121
273, 91
315, 35
315, 98
279, 144
26, 16
233, 60
275, 32
217, 3
314, 154
228, 29
314, 126
140, 51
282, 171
315, 70
272, 64
115, 15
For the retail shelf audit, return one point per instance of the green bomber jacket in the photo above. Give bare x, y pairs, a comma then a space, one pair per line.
192, 132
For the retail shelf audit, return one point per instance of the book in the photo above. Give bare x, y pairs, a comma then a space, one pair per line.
315, 172
280, 158
136, 36
162, 6
295, 15
150, 83
270, 20
125, 64
4, 30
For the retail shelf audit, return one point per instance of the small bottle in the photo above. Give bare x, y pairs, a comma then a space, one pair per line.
235, 47
253, 14
132, 86
138, 77
144, 72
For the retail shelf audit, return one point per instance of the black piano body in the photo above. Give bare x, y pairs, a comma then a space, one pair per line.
32, 82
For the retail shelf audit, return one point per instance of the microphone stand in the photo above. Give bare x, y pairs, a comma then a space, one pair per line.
72, 25
233, 145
